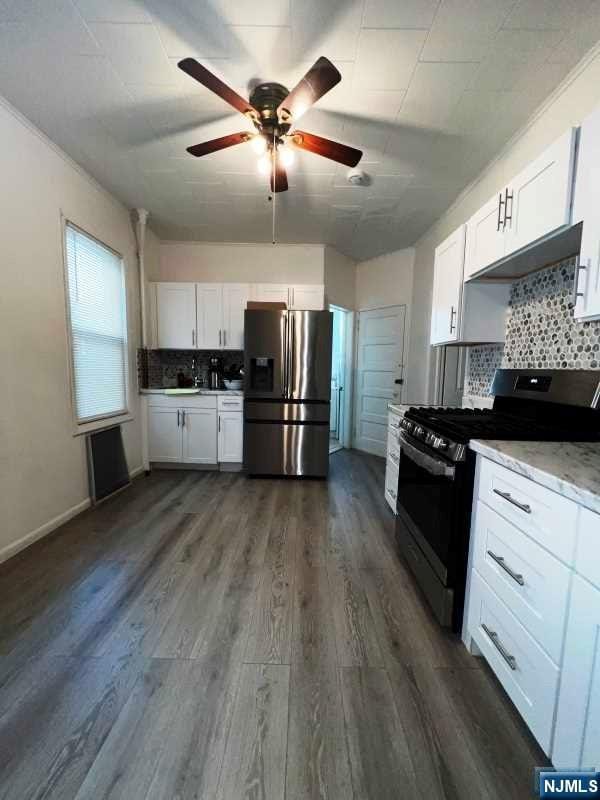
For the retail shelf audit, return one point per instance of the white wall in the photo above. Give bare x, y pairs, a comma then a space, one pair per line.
386, 280
43, 472
340, 279
242, 263
577, 96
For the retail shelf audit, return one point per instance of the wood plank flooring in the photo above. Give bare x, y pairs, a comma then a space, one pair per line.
207, 636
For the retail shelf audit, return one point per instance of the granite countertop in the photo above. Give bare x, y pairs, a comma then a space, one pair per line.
231, 392
571, 469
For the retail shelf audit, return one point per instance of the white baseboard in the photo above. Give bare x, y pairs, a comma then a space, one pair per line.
15, 547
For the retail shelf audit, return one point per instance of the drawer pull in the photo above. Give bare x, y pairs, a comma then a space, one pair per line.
493, 637
394, 458
502, 563
507, 496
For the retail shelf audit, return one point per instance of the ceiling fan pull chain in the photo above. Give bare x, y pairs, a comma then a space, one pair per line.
274, 192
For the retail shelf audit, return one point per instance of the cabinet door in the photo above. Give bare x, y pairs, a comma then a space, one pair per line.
585, 209
231, 437
577, 737
209, 298
235, 297
164, 434
541, 195
199, 435
176, 315
307, 297
271, 293
485, 237
447, 287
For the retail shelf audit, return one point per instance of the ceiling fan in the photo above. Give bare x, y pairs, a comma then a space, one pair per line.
272, 109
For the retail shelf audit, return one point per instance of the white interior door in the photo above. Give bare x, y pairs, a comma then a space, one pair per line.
379, 365
176, 315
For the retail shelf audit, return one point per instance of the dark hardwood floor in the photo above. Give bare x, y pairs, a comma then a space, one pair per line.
206, 636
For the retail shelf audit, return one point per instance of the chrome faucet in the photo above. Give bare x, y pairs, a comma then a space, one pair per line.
195, 374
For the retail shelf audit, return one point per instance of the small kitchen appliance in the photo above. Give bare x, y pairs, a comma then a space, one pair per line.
215, 370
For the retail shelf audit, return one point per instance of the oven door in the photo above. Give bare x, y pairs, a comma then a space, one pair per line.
427, 500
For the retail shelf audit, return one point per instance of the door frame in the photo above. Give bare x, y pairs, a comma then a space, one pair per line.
356, 336
346, 432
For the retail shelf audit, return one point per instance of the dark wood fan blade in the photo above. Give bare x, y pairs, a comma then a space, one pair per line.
221, 143
279, 181
319, 79
341, 153
216, 85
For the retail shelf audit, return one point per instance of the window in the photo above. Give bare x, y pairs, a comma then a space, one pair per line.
98, 327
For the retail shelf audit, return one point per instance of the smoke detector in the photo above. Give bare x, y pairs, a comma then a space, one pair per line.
356, 177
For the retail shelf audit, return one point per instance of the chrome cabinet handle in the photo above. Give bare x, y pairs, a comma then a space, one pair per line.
219, 337
576, 293
495, 640
229, 403
178, 412
193, 337
219, 423
507, 216
509, 498
516, 576
500, 204
452, 316
224, 338
183, 419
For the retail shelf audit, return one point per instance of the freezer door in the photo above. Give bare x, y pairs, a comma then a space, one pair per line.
286, 449
265, 336
309, 373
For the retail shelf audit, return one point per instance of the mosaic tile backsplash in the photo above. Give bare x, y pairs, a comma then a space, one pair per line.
159, 368
540, 332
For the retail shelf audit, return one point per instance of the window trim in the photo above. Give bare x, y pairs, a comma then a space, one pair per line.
103, 421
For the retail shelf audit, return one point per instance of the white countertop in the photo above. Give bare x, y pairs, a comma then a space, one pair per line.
231, 392
571, 469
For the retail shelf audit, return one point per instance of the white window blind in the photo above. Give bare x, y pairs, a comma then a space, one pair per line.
98, 319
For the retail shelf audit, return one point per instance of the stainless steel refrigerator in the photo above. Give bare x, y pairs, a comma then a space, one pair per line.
287, 389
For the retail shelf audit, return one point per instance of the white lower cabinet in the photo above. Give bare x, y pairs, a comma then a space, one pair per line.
199, 436
231, 437
577, 739
164, 434
533, 608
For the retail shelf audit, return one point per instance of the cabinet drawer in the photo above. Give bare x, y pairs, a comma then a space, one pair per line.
531, 678
533, 584
546, 516
391, 485
587, 562
230, 403
182, 401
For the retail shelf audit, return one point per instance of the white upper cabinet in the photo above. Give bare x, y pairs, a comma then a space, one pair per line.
271, 293
235, 298
538, 201
586, 208
447, 286
515, 231
485, 237
307, 297
176, 315
210, 316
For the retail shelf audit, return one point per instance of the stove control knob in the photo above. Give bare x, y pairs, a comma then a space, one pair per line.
440, 444
419, 432
407, 424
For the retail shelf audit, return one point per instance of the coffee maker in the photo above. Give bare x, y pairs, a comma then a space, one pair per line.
215, 370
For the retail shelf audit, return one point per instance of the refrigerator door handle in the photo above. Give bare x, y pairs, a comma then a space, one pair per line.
285, 357
292, 356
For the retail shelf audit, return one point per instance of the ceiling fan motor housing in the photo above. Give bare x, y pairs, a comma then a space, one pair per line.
266, 98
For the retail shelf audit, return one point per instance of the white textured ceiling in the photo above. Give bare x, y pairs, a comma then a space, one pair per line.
431, 89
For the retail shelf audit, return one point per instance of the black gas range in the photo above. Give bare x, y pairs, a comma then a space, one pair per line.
437, 468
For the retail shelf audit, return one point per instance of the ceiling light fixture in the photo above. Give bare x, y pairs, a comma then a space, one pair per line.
264, 164
259, 144
287, 156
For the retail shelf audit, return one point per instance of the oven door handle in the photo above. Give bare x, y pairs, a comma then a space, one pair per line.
424, 460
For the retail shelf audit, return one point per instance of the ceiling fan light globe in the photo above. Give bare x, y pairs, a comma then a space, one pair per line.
287, 156
259, 144
264, 164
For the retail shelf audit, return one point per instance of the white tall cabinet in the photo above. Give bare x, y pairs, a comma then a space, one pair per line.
587, 209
